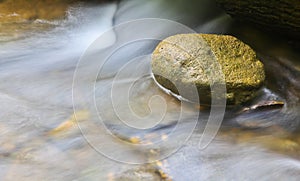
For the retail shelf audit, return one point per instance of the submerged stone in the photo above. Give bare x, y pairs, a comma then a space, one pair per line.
206, 60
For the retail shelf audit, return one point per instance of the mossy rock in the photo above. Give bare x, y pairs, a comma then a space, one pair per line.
282, 16
24, 10
205, 60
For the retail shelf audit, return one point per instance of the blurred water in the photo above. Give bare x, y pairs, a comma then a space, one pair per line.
37, 71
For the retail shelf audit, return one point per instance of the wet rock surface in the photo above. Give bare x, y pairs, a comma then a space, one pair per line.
203, 60
280, 15
18, 10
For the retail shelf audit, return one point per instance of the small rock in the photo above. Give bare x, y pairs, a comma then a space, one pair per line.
185, 60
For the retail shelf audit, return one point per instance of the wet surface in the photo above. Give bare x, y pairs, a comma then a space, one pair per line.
41, 138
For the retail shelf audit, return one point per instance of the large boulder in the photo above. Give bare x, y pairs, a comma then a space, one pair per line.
203, 60
280, 15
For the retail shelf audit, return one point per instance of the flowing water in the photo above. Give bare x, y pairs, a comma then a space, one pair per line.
49, 69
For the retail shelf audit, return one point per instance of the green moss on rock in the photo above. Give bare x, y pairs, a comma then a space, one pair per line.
282, 16
204, 60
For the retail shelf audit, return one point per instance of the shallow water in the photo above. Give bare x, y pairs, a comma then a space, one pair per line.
51, 69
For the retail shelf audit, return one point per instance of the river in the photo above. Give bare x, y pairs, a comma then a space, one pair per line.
78, 101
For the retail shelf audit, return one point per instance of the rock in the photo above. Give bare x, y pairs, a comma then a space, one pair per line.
280, 15
185, 60
20, 10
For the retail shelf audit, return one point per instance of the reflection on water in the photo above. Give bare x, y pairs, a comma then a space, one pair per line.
40, 138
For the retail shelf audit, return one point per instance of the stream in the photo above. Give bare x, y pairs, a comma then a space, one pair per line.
78, 101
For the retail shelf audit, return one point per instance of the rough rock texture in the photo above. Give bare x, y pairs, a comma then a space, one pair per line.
280, 15
20, 10
197, 59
